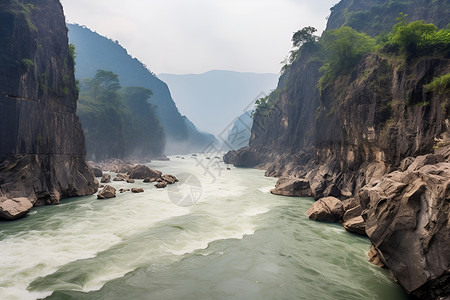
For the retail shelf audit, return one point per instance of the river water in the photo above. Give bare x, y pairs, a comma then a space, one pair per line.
217, 234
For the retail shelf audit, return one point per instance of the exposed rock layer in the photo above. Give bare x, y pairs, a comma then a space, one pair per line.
42, 150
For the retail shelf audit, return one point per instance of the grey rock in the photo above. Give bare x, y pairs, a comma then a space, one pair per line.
143, 172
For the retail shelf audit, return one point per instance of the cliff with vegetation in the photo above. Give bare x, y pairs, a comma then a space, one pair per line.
359, 117
95, 52
42, 150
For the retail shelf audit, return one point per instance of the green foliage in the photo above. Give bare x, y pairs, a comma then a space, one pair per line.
301, 39
265, 104
132, 126
27, 64
419, 39
439, 85
72, 53
344, 48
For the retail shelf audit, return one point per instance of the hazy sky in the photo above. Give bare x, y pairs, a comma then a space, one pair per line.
195, 36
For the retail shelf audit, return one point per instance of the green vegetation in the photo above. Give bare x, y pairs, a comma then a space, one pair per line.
72, 53
302, 39
27, 64
344, 48
440, 85
118, 122
266, 104
19, 8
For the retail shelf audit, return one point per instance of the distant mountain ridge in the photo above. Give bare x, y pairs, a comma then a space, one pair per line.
213, 100
94, 52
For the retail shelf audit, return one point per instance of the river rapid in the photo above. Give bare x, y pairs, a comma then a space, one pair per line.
217, 234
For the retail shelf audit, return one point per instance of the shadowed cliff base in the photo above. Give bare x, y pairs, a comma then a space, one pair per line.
42, 147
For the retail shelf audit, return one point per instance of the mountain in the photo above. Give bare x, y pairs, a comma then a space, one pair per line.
94, 52
366, 121
213, 100
239, 135
42, 149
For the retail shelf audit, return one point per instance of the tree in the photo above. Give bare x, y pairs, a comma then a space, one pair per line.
344, 48
106, 82
304, 35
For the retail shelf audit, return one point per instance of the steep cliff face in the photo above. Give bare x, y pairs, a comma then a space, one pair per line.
350, 139
42, 147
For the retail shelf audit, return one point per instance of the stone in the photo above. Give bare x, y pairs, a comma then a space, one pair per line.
328, 209
143, 172
107, 192
355, 225
161, 184
332, 190
130, 181
293, 187
15, 208
147, 180
374, 258
122, 190
121, 177
170, 179
97, 172
106, 178
352, 213
137, 190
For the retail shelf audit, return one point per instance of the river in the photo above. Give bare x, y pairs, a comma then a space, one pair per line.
217, 234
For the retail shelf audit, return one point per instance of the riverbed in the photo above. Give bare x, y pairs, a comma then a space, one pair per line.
216, 234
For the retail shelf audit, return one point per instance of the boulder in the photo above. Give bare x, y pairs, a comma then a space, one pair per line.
147, 180
106, 178
329, 209
121, 177
122, 190
292, 187
170, 179
130, 181
407, 216
97, 172
161, 184
245, 158
355, 225
374, 258
142, 172
137, 190
11, 209
107, 192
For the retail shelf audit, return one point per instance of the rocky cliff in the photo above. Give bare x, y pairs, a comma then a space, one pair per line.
42, 151
348, 140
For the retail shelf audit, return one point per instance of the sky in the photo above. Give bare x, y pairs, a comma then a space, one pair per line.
196, 36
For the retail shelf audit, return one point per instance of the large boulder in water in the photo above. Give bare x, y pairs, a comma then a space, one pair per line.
407, 218
11, 209
170, 179
327, 209
97, 172
106, 178
292, 187
245, 158
107, 192
143, 172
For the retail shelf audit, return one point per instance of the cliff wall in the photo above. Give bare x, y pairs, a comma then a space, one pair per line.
42, 147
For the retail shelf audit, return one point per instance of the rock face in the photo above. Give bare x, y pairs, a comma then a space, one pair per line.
364, 125
407, 217
107, 192
42, 150
292, 187
327, 209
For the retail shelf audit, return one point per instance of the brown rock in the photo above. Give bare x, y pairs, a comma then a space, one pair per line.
147, 180
106, 178
137, 190
170, 179
374, 258
97, 172
11, 209
352, 213
327, 209
107, 192
292, 187
121, 177
130, 181
161, 184
142, 172
355, 225
124, 190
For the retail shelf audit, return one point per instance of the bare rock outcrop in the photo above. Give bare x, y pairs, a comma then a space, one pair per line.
143, 172
328, 209
407, 217
292, 187
107, 192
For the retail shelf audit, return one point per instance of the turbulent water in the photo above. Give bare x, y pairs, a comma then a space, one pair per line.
237, 241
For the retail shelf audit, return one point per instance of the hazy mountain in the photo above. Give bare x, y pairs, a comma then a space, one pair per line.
213, 100
94, 52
